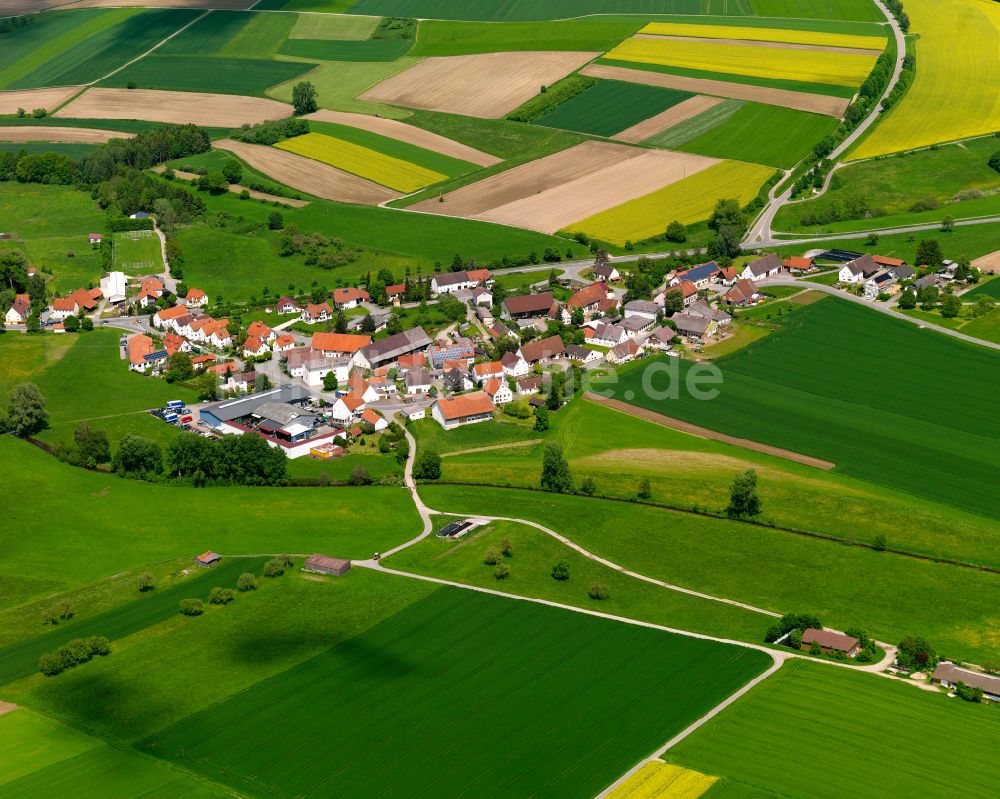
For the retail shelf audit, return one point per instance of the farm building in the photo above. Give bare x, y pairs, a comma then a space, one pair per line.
321, 564
545, 349
693, 326
762, 268
390, 348
338, 343
700, 276
859, 270
830, 642
454, 412
207, 559
949, 675
528, 305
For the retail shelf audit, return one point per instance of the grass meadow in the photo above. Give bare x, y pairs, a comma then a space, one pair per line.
528, 10
804, 720
825, 386
586, 34
859, 10
117, 533
418, 698
696, 126
988, 288
609, 107
332, 50
845, 586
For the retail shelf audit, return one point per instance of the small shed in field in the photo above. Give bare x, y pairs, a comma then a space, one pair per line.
208, 559
321, 564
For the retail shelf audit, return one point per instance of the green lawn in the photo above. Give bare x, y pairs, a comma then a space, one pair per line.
609, 107
894, 184
597, 34
528, 10
762, 134
846, 586
421, 687
823, 387
804, 722
988, 287
521, 280
137, 253
431, 435
125, 524
218, 74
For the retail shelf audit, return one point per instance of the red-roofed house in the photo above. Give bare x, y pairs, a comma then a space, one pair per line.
253, 347
287, 305
498, 391
283, 343
173, 343
63, 307
339, 343
395, 293
347, 408
798, 263
452, 412
349, 297
153, 285
486, 371
19, 312
140, 348
376, 421
260, 330
416, 360
313, 314
196, 298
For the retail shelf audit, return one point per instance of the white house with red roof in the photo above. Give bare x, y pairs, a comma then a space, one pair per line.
19, 312
314, 313
283, 343
347, 298
498, 391
196, 298
376, 421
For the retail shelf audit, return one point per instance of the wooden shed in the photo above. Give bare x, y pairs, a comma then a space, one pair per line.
207, 559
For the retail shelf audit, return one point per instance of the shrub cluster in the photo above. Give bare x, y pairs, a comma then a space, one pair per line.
49, 168
272, 131
550, 97
234, 460
77, 651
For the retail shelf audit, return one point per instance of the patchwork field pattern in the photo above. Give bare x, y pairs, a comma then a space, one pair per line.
753, 33
486, 85
954, 93
683, 111
363, 161
418, 698
802, 721
688, 201
609, 107
757, 61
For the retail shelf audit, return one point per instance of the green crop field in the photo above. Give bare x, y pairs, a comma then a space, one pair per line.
262, 37
526, 10
330, 50
824, 387
587, 34
333, 26
95, 47
861, 10
988, 288
762, 134
210, 74
49, 34
609, 107
118, 535
804, 721
21, 659
209, 34
74, 151
411, 698
845, 586
697, 125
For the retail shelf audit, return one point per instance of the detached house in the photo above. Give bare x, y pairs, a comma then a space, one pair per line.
450, 282
701, 276
542, 350
487, 371
261, 331
587, 300
881, 283
143, 355
19, 312
64, 307
693, 326
253, 347
624, 352
762, 268
859, 270
608, 335
607, 273
498, 391
286, 305
514, 365
283, 343
349, 298
196, 298
742, 294
418, 381
313, 314
452, 412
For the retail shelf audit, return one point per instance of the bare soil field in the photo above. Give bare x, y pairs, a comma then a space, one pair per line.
407, 133
30, 99
236, 188
306, 175
487, 85
529, 179
65, 135
11, 8
591, 194
212, 110
988, 263
822, 48
800, 101
667, 119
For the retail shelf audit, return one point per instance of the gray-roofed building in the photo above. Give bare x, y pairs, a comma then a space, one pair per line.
388, 349
645, 308
704, 309
768, 266
693, 326
418, 381
321, 564
218, 413
949, 675
635, 325
902, 271
577, 353
282, 413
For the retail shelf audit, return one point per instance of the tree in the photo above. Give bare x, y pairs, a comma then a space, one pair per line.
673, 301
340, 323
948, 224
179, 367
907, 300
588, 486
492, 557
915, 654
929, 253
556, 475
368, 324
138, 457
275, 221
676, 232
983, 306
86, 324
26, 412
192, 607
207, 385
994, 162
727, 213
214, 183
304, 98
263, 383
507, 548
880, 543
232, 171
501, 571
645, 489
560, 571
247, 582
275, 567
743, 499
541, 419
951, 307
146, 582
221, 596
360, 476
427, 465
71, 324
92, 446
330, 381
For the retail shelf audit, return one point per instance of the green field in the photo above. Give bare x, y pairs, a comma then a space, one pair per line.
697, 126
121, 531
21, 659
75, 151
597, 34
609, 107
893, 187
412, 698
137, 254
208, 35
761, 134
527, 10
845, 586
332, 50
333, 26
988, 288
861, 10
809, 720
824, 387
210, 74
85, 46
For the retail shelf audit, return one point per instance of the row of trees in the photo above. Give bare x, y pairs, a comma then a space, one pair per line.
245, 459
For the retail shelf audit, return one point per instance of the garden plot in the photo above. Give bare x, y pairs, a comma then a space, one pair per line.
30, 99
487, 85
211, 110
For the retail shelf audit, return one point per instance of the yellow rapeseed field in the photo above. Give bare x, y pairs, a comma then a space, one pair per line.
362, 161
765, 35
808, 66
955, 93
659, 780
689, 200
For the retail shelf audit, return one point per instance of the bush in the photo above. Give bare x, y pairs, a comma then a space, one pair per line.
192, 607
273, 131
146, 582
427, 465
77, 651
550, 97
221, 596
360, 476
275, 567
598, 591
507, 548
588, 486
247, 582
51, 664
994, 162
881, 543
560, 571
492, 557
502, 571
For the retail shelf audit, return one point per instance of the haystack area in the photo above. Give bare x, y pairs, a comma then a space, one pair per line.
800, 101
58, 134
487, 85
30, 99
409, 134
667, 119
211, 110
307, 175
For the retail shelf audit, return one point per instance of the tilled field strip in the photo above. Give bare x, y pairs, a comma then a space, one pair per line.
674, 115
30, 99
52, 133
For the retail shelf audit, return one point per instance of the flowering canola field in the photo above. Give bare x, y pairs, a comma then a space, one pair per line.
784, 35
659, 780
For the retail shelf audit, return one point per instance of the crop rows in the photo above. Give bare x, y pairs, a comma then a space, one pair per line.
761, 34
609, 107
527, 10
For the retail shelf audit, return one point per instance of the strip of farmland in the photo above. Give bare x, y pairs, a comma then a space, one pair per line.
26, 133
814, 48
761, 34
30, 99
681, 112
801, 101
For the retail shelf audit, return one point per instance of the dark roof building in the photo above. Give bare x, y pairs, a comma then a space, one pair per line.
529, 304
949, 675
388, 349
216, 414
321, 564
543, 349
831, 642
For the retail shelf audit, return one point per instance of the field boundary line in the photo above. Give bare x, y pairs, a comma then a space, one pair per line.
151, 49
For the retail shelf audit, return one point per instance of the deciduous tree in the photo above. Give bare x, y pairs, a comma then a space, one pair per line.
744, 501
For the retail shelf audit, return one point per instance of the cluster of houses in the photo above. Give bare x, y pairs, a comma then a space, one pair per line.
877, 274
